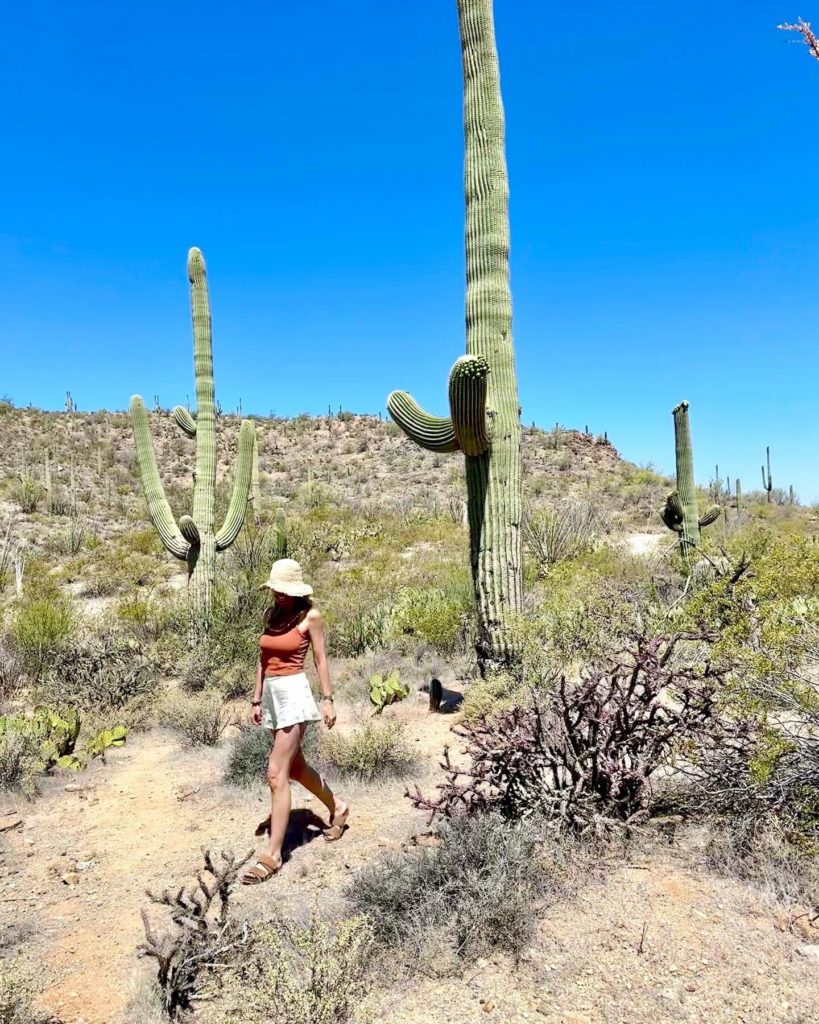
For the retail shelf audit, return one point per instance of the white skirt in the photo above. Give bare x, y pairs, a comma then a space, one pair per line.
287, 700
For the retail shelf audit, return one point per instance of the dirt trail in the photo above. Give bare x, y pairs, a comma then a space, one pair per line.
711, 950
76, 873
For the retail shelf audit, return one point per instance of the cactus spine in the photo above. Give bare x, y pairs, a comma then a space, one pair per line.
680, 512
767, 484
484, 421
195, 540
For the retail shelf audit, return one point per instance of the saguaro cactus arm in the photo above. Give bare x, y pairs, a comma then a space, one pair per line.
711, 516
184, 420
237, 510
672, 512
466, 428
158, 508
467, 402
435, 433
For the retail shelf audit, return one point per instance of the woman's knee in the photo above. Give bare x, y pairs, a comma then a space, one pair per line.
277, 777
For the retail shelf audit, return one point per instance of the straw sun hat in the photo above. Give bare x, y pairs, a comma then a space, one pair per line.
286, 577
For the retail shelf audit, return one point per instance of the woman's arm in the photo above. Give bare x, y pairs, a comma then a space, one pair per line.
315, 627
256, 706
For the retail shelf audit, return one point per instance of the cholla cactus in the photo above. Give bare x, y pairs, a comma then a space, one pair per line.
195, 539
484, 420
680, 512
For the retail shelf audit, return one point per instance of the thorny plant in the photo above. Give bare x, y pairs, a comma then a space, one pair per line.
201, 938
584, 756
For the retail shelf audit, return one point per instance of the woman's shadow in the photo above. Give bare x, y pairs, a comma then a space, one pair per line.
303, 827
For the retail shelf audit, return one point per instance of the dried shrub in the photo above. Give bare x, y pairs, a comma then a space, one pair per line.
561, 532
482, 885
100, 673
316, 973
198, 718
373, 751
18, 991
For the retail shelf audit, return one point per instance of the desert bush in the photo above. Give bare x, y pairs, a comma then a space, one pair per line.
41, 629
198, 718
562, 532
319, 972
28, 494
19, 763
484, 883
431, 616
584, 752
373, 751
248, 757
12, 670
100, 672
365, 630
18, 991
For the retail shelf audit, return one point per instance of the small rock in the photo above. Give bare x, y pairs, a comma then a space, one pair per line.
810, 952
83, 865
73, 787
488, 1006
70, 878
10, 821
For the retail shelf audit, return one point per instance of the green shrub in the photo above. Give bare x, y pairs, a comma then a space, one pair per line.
430, 616
315, 973
373, 751
248, 757
198, 718
41, 630
484, 885
365, 630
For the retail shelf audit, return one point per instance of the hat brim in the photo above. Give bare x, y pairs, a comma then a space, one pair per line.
291, 589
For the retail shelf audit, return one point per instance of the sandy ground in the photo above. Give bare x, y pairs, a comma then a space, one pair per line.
659, 940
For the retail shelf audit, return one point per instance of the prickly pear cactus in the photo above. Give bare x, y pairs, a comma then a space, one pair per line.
387, 691
484, 420
195, 539
680, 512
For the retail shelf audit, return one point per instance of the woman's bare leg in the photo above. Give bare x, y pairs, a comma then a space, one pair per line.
285, 748
307, 776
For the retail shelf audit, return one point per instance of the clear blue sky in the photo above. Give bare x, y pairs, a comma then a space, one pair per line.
664, 166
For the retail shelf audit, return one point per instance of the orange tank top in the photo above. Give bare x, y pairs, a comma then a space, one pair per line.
282, 654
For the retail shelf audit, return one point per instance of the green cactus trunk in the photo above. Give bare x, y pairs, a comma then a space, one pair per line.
686, 488
680, 512
194, 539
484, 421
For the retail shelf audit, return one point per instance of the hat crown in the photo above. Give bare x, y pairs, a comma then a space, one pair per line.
286, 569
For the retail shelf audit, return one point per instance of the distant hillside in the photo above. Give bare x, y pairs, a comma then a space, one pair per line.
354, 460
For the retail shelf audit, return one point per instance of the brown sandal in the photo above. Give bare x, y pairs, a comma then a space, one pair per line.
337, 827
264, 867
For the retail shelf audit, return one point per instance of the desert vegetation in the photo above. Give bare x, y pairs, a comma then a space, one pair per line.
541, 693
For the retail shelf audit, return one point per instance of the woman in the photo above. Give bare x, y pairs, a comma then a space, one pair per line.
283, 703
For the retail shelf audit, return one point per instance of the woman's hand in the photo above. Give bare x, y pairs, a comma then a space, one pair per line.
329, 712
256, 715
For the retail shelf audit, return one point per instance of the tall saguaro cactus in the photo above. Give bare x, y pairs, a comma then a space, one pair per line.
767, 482
484, 420
195, 540
680, 512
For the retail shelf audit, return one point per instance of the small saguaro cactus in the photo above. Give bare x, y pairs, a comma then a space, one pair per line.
194, 539
484, 420
739, 494
767, 482
680, 512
